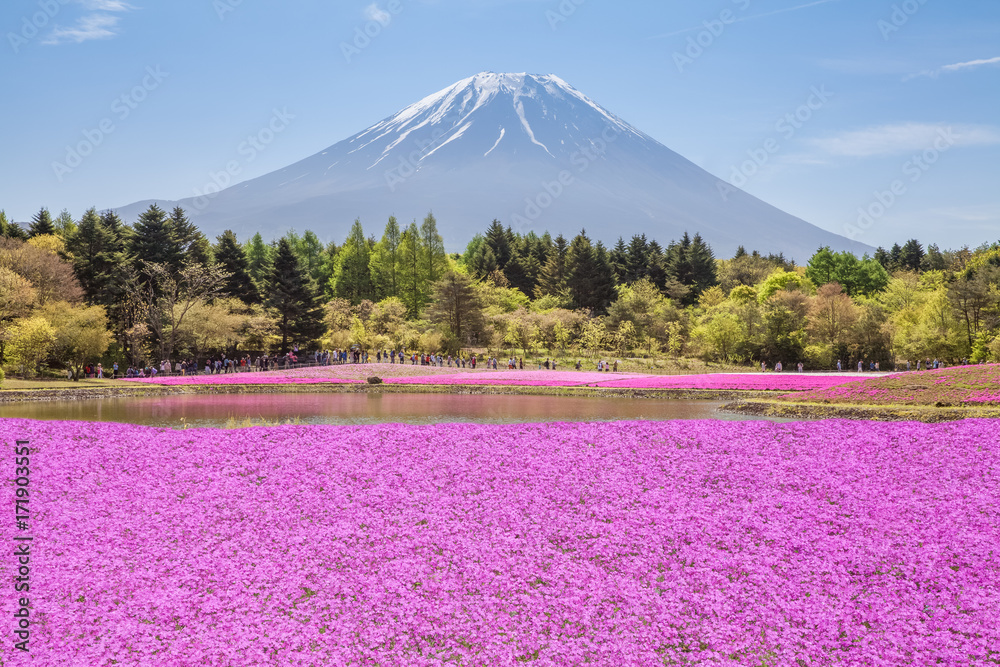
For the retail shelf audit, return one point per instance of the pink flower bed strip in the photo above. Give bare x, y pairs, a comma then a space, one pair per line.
640, 543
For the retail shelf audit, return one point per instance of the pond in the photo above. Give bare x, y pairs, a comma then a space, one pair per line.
331, 408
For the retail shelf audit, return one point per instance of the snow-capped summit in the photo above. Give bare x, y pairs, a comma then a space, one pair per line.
527, 149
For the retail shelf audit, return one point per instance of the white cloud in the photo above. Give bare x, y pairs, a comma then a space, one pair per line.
956, 67
374, 13
904, 138
749, 18
92, 26
106, 5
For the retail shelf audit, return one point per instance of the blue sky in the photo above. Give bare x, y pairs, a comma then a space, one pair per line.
823, 108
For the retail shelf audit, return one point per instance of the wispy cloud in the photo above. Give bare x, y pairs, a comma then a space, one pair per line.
106, 5
957, 67
93, 26
749, 18
374, 13
904, 138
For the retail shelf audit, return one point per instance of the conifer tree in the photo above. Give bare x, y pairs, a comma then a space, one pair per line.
553, 278
64, 225
499, 242
154, 239
11, 229
412, 276
291, 294
192, 245
618, 256
229, 255
95, 258
41, 224
352, 278
260, 259
384, 262
435, 257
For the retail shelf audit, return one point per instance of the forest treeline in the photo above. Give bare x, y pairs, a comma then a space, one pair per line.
74, 291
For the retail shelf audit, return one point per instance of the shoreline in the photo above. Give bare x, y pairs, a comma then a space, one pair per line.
148, 391
897, 413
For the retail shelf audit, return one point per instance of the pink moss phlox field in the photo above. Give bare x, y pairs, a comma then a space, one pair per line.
438, 376
732, 381
629, 543
973, 385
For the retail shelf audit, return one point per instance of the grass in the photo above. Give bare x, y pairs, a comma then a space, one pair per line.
13, 384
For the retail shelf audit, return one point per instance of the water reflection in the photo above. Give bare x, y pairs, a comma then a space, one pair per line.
331, 408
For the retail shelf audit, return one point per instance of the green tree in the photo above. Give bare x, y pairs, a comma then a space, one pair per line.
260, 258
64, 225
81, 334
154, 240
385, 261
498, 240
352, 279
95, 260
229, 255
412, 272
435, 258
455, 306
41, 223
11, 229
29, 340
553, 279
292, 296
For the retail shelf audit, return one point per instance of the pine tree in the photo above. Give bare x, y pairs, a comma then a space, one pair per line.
619, 261
498, 239
483, 261
192, 245
435, 257
292, 295
412, 276
64, 225
553, 279
384, 262
92, 247
455, 305
691, 263
581, 267
11, 229
603, 288
352, 279
895, 258
703, 266
260, 258
229, 255
41, 224
657, 273
154, 239
637, 260
912, 255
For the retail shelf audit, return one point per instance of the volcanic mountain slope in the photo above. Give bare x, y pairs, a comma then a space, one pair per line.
529, 150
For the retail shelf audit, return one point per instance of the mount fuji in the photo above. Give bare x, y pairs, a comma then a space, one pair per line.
529, 150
